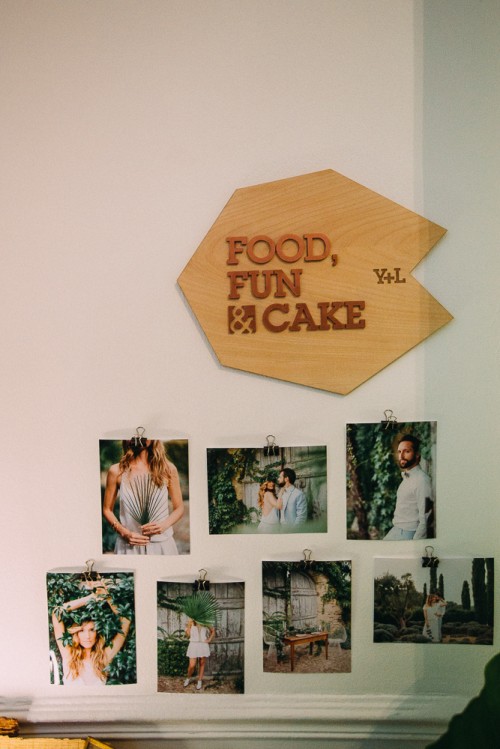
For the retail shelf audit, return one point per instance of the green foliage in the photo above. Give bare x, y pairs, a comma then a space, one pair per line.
338, 575
63, 587
397, 598
479, 589
275, 627
441, 586
171, 653
424, 595
433, 586
225, 511
202, 607
381, 635
373, 472
490, 590
466, 595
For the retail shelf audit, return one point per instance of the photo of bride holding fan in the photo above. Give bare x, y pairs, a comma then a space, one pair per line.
144, 496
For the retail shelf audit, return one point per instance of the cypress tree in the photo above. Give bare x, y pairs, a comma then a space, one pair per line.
433, 580
490, 593
466, 596
479, 589
441, 586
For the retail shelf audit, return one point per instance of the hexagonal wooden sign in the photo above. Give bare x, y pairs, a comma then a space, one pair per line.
308, 280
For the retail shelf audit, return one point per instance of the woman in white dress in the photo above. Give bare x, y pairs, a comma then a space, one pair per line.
198, 650
269, 505
86, 658
434, 610
144, 480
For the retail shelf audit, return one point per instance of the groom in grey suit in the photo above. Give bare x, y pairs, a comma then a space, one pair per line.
294, 508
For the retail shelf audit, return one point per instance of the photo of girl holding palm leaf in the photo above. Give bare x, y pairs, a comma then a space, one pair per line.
202, 611
147, 488
201, 637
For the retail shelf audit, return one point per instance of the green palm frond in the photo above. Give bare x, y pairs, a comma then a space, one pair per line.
144, 500
201, 607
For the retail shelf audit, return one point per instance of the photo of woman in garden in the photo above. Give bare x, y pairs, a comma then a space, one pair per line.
143, 501
434, 609
201, 637
448, 603
90, 629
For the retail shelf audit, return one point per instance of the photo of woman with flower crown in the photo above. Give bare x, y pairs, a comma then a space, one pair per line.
91, 629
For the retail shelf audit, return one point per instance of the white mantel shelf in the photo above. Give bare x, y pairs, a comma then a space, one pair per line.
170, 716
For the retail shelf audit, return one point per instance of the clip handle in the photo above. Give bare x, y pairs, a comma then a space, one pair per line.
271, 449
88, 574
201, 583
307, 561
429, 560
390, 420
139, 436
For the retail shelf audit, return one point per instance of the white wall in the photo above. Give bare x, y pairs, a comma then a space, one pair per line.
126, 126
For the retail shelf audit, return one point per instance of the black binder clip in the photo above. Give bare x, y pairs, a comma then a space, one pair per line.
271, 450
88, 576
202, 583
429, 560
307, 562
390, 420
139, 437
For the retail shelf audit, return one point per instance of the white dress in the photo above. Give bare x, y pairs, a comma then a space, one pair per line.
135, 492
435, 615
198, 646
87, 676
269, 523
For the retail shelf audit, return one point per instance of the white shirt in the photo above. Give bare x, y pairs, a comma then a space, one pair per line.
413, 491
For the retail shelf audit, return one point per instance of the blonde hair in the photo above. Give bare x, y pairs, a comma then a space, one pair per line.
431, 597
263, 489
160, 467
97, 656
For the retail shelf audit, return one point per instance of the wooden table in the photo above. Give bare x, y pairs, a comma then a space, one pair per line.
294, 640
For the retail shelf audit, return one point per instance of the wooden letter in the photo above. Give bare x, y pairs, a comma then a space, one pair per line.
261, 238
282, 280
233, 243
303, 317
290, 238
352, 315
234, 283
310, 247
327, 315
267, 322
267, 283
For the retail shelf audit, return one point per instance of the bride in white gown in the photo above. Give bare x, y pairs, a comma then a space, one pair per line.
270, 506
434, 610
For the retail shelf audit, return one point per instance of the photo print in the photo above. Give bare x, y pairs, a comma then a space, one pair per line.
257, 490
390, 477
91, 628
201, 637
144, 496
450, 603
306, 617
